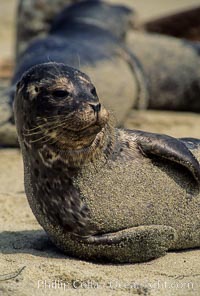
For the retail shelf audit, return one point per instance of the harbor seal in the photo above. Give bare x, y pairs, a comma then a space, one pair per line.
99, 192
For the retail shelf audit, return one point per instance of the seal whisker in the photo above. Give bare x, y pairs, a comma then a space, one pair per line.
54, 127
47, 140
45, 125
38, 126
57, 70
37, 140
41, 131
35, 132
65, 116
55, 140
49, 117
32, 134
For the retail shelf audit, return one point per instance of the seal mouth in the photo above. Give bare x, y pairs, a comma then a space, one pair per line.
96, 126
81, 124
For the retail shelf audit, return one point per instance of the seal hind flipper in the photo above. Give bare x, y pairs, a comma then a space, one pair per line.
135, 244
170, 148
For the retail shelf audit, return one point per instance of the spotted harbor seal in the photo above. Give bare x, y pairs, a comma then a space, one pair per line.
102, 193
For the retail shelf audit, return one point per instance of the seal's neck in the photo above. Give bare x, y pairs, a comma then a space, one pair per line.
101, 148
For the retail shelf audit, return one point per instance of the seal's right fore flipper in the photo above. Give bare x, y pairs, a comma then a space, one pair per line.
136, 244
169, 148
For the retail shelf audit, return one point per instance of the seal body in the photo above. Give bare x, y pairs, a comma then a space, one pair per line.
102, 193
39, 16
171, 66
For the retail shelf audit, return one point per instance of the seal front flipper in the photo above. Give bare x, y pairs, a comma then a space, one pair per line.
136, 244
170, 148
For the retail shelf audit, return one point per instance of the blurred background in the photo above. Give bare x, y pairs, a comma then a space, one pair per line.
146, 10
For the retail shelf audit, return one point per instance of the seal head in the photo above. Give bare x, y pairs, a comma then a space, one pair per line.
63, 106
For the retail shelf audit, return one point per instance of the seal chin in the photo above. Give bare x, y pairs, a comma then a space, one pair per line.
81, 139
82, 132
93, 127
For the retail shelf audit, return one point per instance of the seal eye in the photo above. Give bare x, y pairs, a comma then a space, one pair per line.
59, 93
93, 91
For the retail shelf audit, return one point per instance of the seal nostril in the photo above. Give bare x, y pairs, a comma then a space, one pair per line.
96, 107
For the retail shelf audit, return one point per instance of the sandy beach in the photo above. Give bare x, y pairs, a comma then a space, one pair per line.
31, 265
